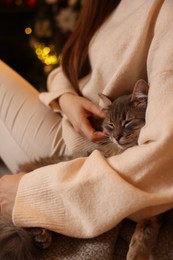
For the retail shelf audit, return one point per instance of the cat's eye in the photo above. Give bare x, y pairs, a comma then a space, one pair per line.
128, 123
111, 125
134, 123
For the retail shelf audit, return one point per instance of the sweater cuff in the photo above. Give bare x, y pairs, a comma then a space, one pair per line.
33, 199
51, 98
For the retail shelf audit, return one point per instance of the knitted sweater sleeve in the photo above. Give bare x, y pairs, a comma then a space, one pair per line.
88, 196
56, 77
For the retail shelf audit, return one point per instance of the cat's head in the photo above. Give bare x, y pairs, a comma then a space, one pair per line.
126, 116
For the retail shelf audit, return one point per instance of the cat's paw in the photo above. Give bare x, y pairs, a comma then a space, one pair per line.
143, 240
42, 237
134, 252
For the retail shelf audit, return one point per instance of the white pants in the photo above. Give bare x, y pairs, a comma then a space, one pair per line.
28, 129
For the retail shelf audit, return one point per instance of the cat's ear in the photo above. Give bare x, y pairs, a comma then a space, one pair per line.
140, 90
105, 101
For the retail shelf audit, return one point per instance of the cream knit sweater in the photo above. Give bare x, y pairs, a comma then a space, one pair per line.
88, 196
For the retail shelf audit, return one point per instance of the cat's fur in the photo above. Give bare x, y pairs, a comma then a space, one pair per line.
124, 119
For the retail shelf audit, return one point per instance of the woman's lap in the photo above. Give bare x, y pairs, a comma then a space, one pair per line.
28, 129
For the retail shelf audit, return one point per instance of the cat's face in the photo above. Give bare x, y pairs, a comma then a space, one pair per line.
126, 116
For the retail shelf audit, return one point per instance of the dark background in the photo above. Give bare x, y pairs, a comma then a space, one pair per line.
15, 49
15, 45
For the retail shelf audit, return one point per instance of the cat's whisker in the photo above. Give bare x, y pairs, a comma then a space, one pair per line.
105, 141
114, 141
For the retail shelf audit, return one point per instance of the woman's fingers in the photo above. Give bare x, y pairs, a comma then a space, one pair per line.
89, 132
78, 110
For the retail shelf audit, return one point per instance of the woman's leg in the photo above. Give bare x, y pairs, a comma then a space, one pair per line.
28, 129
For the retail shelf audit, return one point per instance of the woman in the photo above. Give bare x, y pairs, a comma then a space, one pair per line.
113, 46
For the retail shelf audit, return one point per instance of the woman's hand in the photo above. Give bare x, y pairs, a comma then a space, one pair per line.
78, 110
8, 190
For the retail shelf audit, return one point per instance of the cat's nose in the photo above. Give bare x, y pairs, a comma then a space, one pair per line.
118, 137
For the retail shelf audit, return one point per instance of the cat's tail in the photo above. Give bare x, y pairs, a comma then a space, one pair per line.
15, 243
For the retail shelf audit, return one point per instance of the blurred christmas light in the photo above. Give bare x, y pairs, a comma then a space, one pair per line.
19, 3
46, 51
28, 30
46, 54
32, 3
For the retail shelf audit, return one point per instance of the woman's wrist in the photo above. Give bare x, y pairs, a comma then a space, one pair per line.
64, 98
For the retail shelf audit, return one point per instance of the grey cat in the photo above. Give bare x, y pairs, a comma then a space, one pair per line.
124, 119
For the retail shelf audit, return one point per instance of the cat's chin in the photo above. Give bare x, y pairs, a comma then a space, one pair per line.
126, 146
114, 141
121, 147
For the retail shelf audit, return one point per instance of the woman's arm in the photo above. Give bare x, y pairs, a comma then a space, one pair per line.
58, 85
62, 97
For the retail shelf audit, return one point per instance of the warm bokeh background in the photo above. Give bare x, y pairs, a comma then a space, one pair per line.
32, 34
